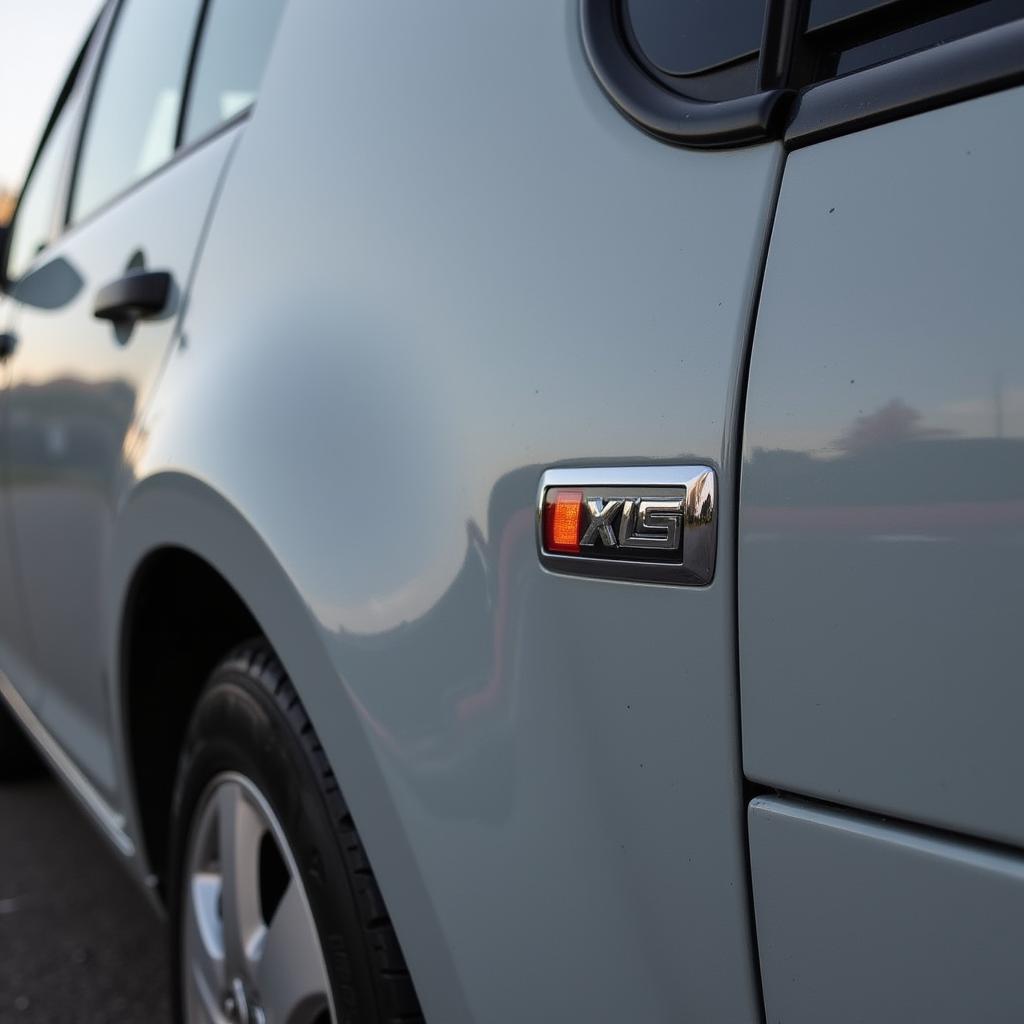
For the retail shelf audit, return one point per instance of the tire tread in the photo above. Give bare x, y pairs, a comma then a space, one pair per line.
397, 1002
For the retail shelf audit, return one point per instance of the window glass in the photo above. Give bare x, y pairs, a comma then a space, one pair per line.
824, 12
34, 222
236, 41
133, 118
930, 33
682, 38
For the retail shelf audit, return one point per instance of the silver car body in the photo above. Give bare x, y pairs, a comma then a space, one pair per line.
402, 298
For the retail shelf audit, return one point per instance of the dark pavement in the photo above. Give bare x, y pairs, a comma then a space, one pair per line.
79, 943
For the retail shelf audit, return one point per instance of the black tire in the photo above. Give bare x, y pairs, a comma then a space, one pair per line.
18, 758
249, 720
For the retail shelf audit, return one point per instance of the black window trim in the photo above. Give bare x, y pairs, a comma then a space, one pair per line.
79, 73
988, 61
984, 62
180, 152
662, 112
190, 71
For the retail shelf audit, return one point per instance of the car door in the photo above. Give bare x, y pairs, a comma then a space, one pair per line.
881, 544
95, 314
34, 228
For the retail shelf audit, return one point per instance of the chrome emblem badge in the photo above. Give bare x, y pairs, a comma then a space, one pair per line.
656, 524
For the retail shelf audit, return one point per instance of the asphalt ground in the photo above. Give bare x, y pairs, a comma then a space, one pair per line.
79, 942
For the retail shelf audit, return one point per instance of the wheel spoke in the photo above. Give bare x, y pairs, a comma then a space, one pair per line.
240, 830
204, 947
239, 964
290, 976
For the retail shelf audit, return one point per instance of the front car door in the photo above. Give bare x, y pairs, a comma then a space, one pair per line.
34, 228
96, 312
881, 550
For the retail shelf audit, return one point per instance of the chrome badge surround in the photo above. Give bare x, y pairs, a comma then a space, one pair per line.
638, 522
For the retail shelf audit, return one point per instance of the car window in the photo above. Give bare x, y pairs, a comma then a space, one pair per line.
35, 221
685, 38
132, 124
236, 40
943, 28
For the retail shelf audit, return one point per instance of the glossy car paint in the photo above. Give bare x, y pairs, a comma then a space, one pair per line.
418, 294
76, 387
863, 921
12, 609
881, 556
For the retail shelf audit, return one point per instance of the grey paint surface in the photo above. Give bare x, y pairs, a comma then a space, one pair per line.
17, 646
13, 627
401, 311
457, 301
76, 386
882, 498
864, 921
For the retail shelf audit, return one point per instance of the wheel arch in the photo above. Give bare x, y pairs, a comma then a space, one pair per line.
175, 533
173, 516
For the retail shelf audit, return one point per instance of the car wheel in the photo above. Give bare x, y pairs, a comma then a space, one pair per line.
18, 758
276, 916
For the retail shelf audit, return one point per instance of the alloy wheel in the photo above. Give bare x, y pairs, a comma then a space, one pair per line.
251, 950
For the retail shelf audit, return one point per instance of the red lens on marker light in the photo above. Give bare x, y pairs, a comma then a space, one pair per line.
562, 519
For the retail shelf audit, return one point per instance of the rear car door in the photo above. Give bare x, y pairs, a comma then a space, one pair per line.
882, 528
95, 313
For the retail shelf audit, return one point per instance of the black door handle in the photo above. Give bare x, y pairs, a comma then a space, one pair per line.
137, 295
8, 343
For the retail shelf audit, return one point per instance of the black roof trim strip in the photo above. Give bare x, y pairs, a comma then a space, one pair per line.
958, 70
665, 114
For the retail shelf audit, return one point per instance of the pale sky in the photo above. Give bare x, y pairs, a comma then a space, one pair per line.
41, 38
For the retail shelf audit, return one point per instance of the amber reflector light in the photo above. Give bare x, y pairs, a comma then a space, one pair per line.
562, 519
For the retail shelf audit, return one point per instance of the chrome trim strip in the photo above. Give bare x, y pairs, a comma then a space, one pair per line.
109, 821
700, 539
